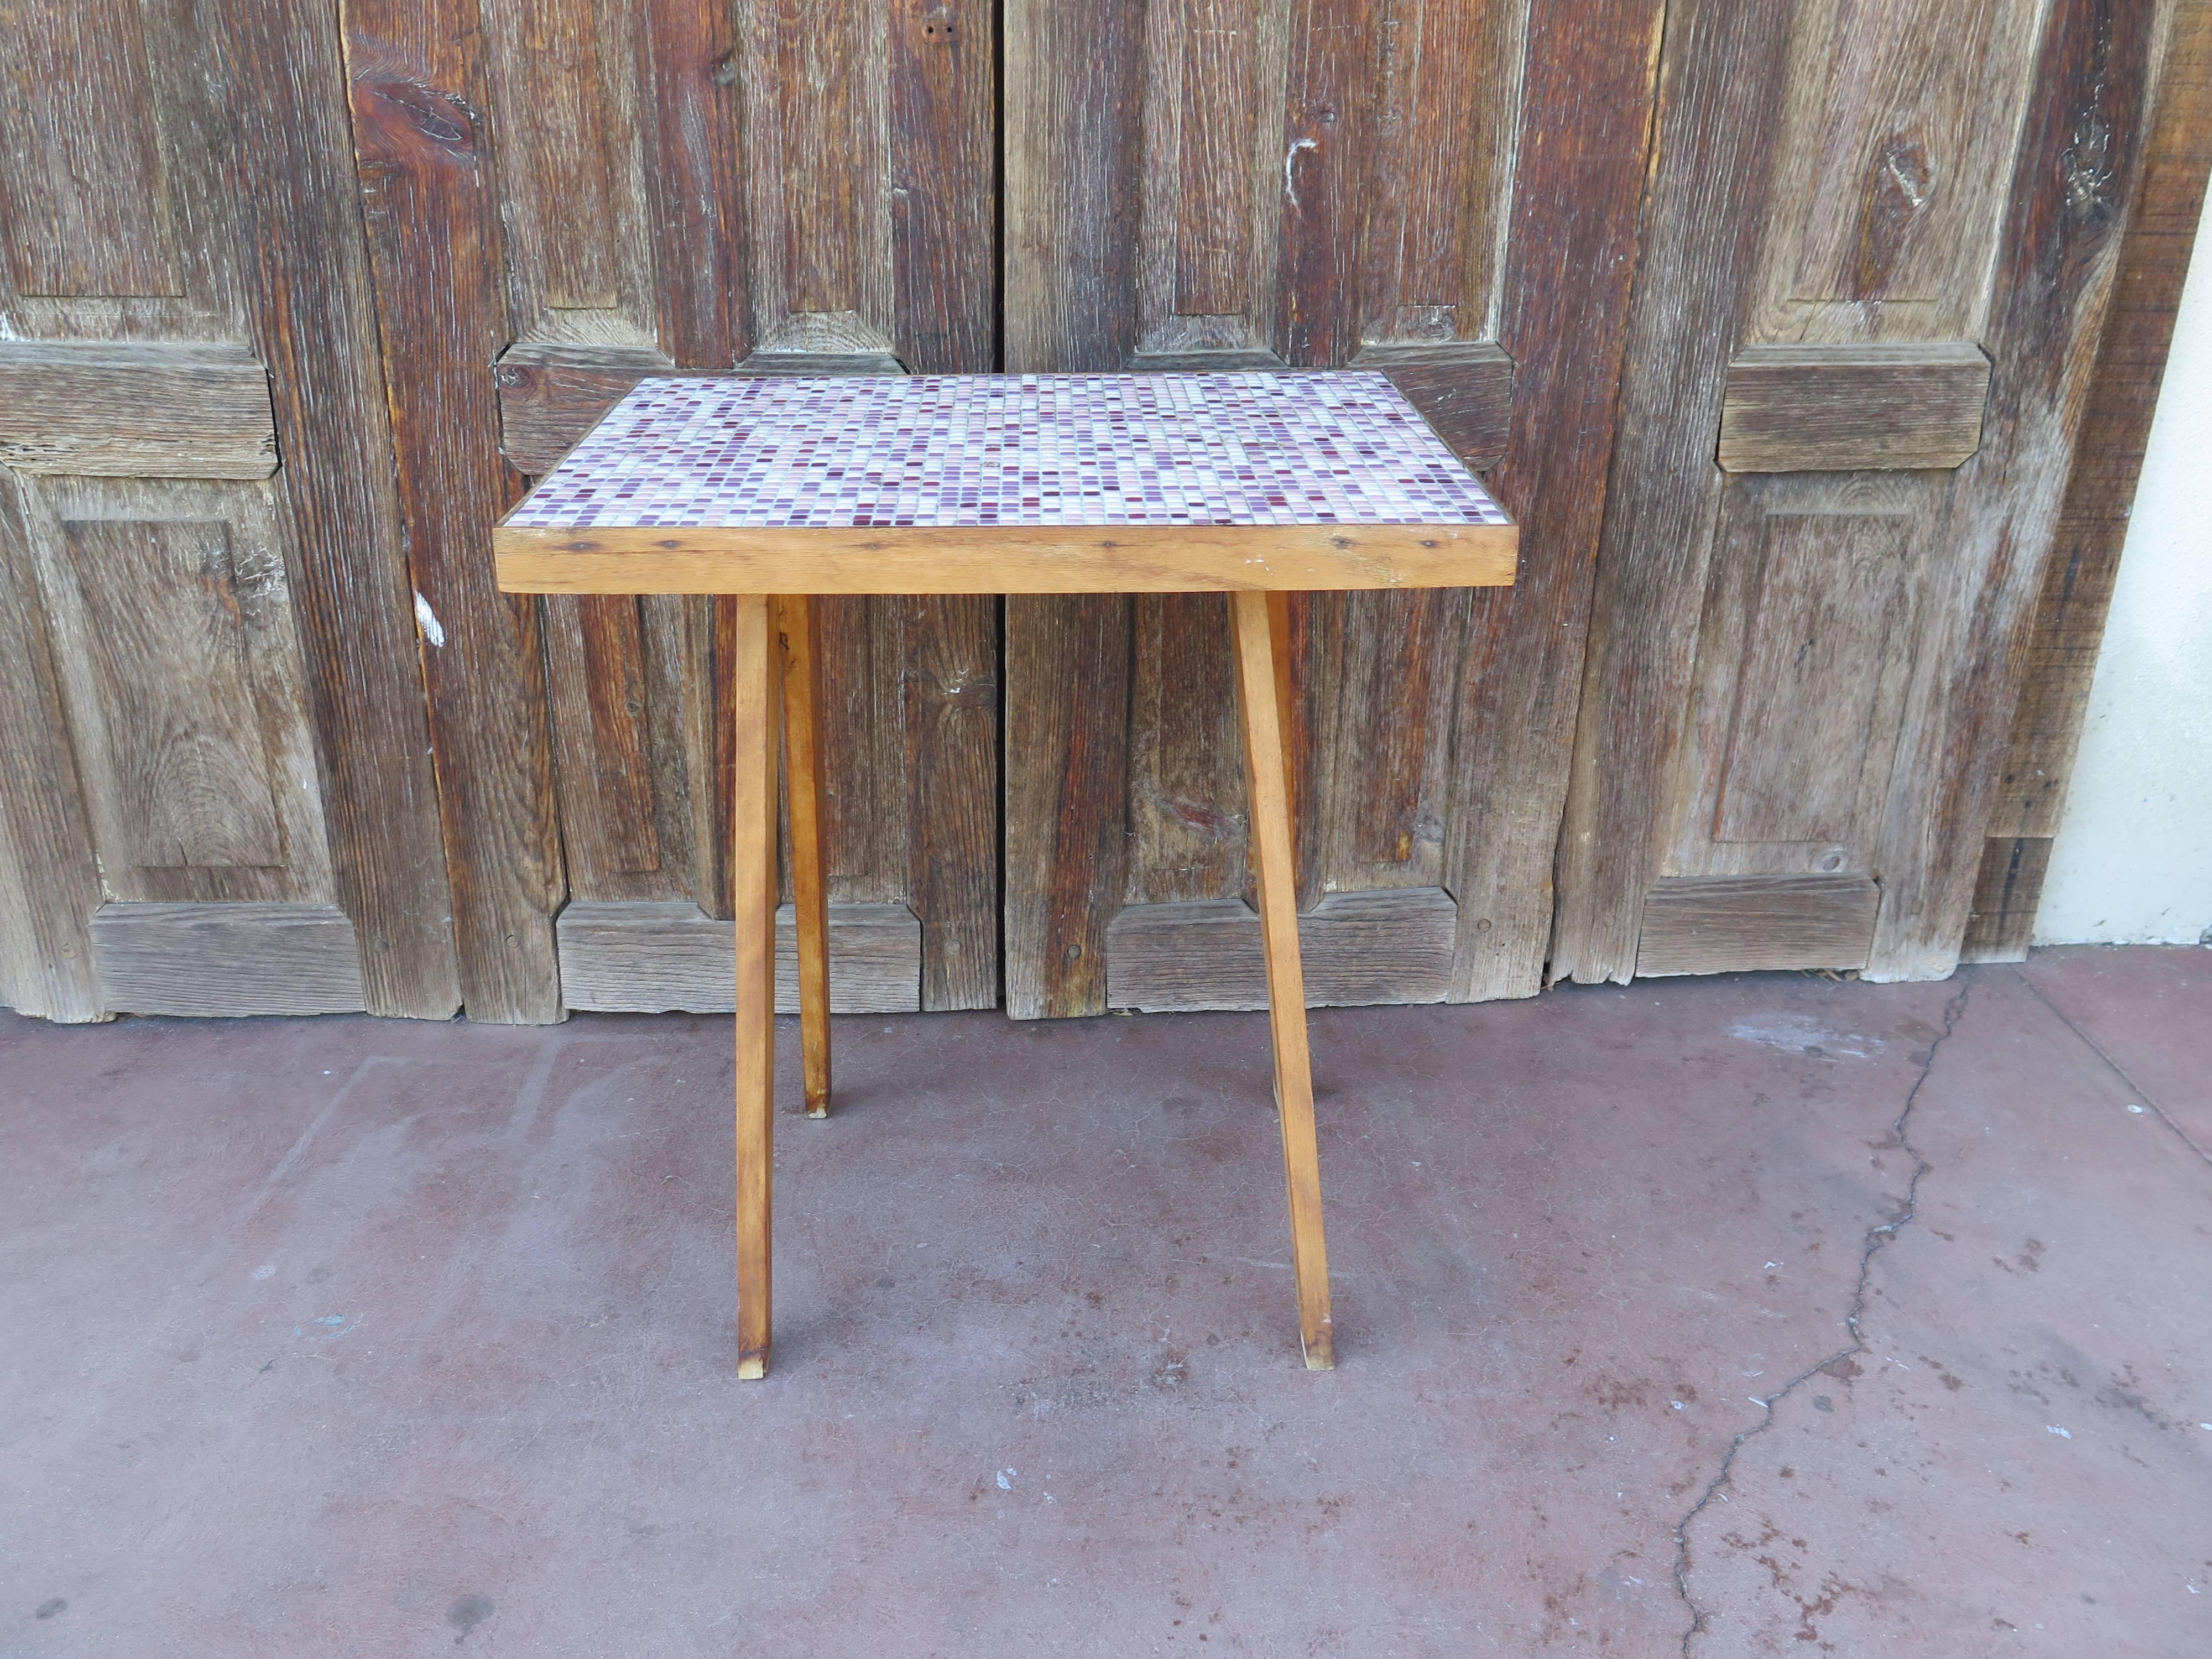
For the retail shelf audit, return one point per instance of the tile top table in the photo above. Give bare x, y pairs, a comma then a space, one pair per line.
774, 489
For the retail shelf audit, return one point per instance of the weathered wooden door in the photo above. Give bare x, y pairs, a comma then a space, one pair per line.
1879, 248
218, 793
563, 196
1446, 191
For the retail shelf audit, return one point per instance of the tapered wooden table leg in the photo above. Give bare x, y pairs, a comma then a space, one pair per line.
801, 642
1262, 698
752, 861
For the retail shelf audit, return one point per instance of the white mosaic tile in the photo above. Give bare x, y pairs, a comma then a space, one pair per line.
1259, 448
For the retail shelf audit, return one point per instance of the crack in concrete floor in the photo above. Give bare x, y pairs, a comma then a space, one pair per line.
1876, 1236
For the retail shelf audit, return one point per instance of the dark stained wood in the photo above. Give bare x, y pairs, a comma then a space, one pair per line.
814, 51
259, 91
83, 194
49, 879
647, 957
1329, 113
418, 85
1067, 737
559, 172
550, 396
2081, 156
951, 684
1186, 785
1853, 407
944, 168
1722, 924
1213, 218
1464, 389
2001, 925
1388, 946
1571, 255
2077, 588
687, 107
92, 408
1724, 70
211, 960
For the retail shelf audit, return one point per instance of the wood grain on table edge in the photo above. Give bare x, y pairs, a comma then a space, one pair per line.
1006, 559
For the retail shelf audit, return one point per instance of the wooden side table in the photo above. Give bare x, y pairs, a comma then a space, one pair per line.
1257, 485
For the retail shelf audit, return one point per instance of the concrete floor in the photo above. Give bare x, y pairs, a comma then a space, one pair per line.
1714, 1317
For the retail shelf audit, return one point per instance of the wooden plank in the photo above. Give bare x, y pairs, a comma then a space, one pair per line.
550, 396
1572, 258
163, 638
1723, 924
1464, 389
257, 83
1853, 407
99, 410
1834, 599
1066, 737
1185, 810
84, 195
2008, 887
556, 169
653, 956
2081, 156
1218, 110
49, 878
1386, 946
1724, 67
687, 109
2077, 588
418, 84
1074, 76
949, 681
210, 961
798, 643
1028, 559
1330, 115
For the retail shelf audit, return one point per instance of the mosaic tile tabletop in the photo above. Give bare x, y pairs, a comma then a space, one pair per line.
1256, 448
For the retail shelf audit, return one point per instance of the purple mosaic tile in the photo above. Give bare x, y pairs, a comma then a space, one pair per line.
1259, 448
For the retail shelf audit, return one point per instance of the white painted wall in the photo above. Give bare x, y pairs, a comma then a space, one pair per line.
2133, 860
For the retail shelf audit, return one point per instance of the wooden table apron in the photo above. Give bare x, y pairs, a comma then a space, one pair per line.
773, 573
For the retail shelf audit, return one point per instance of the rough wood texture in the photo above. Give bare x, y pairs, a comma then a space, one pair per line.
1723, 924
91, 409
1571, 256
2081, 158
83, 194
1853, 407
2007, 891
1463, 389
49, 879
1358, 948
214, 960
650, 957
1010, 559
2077, 588
418, 83
1724, 71
258, 81
550, 396
182, 675
1263, 693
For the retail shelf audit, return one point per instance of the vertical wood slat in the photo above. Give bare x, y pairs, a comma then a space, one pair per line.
688, 106
49, 882
1725, 73
1572, 256
2077, 588
2080, 164
1220, 95
84, 200
262, 88
418, 83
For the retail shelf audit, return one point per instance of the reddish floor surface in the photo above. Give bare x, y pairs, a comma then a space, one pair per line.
345, 1336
